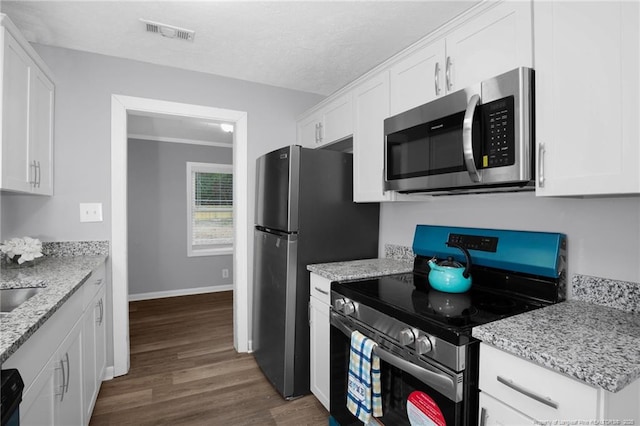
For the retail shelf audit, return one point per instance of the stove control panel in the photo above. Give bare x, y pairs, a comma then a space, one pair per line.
475, 242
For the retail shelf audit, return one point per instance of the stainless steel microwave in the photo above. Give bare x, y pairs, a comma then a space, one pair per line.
478, 139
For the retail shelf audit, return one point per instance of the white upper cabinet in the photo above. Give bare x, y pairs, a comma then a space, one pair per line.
27, 116
587, 97
497, 40
371, 99
418, 78
330, 123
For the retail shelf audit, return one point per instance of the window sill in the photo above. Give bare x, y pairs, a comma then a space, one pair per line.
211, 252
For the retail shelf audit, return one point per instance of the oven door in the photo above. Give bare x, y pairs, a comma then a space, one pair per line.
413, 391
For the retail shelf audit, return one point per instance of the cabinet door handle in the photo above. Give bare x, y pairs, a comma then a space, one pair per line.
101, 307
320, 132
39, 174
319, 290
62, 387
449, 80
533, 395
32, 173
309, 313
436, 78
541, 152
66, 387
483, 416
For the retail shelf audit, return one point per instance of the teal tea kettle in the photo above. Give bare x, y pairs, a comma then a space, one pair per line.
449, 275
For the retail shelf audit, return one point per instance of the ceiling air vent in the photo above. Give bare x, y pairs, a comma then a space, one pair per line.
168, 31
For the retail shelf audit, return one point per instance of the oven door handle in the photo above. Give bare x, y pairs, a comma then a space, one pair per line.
467, 138
451, 387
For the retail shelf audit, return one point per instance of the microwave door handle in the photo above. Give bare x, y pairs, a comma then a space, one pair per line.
467, 138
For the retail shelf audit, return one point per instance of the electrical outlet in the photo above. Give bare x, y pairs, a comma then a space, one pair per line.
225, 273
90, 212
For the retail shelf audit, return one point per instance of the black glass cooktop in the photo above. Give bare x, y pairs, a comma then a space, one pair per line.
451, 316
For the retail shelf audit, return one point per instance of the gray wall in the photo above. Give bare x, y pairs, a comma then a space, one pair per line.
157, 219
84, 85
603, 234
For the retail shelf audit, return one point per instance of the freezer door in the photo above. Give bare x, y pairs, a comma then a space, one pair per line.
277, 176
274, 310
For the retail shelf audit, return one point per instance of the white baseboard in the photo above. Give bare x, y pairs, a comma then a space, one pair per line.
108, 373
182, 292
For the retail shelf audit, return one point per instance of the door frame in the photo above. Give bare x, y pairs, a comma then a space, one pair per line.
120, 106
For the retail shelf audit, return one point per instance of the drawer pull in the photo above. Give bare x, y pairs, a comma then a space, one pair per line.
544, 400
319, 290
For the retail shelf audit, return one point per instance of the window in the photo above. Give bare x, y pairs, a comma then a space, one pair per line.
210, 209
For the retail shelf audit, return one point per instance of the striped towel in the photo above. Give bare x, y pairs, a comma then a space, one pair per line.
364, 374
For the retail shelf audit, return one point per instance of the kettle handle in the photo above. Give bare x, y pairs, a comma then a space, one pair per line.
467, 257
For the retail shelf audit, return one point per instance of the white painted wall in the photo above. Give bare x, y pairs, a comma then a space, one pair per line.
603, 234
157, 221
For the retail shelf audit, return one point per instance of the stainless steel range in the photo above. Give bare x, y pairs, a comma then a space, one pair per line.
429, 360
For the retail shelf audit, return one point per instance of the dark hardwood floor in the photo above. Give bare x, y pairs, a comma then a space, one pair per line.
185, 371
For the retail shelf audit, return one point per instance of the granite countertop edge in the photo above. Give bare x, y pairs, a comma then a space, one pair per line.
597, 350
60, 278
360, 269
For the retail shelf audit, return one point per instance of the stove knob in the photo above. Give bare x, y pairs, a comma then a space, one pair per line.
348, 308
423, 345
344, 306
407, 337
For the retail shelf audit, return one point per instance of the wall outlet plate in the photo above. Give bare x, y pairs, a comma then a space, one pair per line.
90, 212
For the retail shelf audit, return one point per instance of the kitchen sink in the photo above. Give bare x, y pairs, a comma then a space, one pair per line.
11, 298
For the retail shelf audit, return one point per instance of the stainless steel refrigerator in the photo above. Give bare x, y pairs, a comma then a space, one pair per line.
304, 214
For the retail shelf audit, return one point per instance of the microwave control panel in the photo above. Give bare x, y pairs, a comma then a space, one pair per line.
499, 129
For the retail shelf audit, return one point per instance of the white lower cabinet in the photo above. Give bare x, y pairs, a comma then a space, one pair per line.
516, 391
319, 329
63, 362
69, 395
94, 330
495, 413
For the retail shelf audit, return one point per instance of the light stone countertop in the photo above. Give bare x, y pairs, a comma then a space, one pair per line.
360, 269
592, 343
61, 277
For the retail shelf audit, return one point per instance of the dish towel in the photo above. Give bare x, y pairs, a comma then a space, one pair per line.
363, 388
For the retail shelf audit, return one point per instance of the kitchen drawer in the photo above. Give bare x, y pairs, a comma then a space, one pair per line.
93, 284
321, 288
495, 413
522, 385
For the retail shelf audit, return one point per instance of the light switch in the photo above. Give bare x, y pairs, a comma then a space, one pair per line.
90, 212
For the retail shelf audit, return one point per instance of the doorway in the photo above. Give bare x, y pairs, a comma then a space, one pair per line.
120, 107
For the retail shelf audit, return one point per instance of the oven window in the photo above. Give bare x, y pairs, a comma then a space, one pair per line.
427, 149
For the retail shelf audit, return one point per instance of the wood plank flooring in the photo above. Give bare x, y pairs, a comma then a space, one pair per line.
184, 371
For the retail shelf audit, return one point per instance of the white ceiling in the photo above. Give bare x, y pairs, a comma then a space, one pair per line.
313, 46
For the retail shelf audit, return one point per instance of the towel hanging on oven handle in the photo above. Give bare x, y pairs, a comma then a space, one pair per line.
449, 384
